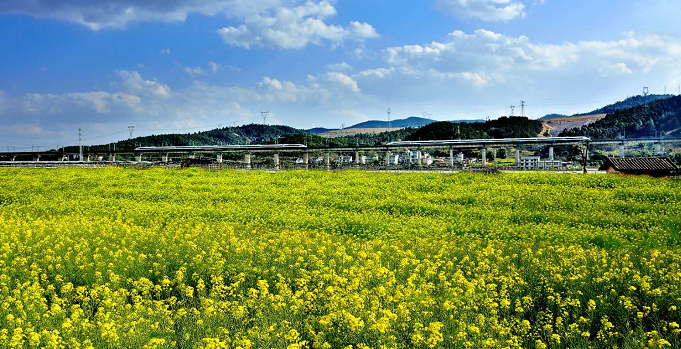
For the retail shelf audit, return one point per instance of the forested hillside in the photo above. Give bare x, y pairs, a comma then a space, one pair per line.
246, 134
661, 116
628, 103
504, 127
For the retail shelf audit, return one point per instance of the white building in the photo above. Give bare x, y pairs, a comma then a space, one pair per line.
535, 163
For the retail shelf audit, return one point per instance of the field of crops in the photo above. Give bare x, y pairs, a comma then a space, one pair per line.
112, 258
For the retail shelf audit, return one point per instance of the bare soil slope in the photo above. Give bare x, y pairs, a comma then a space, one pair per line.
558, 125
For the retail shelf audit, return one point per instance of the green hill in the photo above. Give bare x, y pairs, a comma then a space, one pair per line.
504, 127
246, 134
662, 116
628, 103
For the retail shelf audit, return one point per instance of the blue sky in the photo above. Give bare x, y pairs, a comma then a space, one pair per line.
188, 65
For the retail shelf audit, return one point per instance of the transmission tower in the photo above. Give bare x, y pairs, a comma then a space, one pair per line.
645, 95
131, 129
80, 145
522, 108
264, 117
389, 122
512, 109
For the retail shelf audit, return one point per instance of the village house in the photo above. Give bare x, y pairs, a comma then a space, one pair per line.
653, 166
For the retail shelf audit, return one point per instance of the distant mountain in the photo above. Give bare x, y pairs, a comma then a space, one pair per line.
552, 116
318, 130
660, 116
467, 121
408, 122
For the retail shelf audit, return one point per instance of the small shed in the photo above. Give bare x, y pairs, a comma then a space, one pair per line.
653, 166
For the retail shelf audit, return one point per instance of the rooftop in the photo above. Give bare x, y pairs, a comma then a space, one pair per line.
643, 164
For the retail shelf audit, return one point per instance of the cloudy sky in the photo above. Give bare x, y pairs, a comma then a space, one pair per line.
189, 65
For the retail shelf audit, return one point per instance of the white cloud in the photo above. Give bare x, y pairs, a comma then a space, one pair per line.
165, 51
275, 90
118, 14
133, 82
100, 102
343, 80
378, 72
339, 66
615, 69
214, 67
195, 71
485, 10
294, 28
488, 56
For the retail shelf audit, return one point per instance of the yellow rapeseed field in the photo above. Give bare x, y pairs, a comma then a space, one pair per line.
127, 258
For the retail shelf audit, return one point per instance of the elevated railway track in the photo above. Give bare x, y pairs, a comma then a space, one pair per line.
272, 151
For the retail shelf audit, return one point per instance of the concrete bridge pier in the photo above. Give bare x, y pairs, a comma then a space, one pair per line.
14, 158
551, 153
327, 160
484, 156
419, 158
658, 148
138, 158
219, 158
164, 158
306, 160
36, 158
112, 157
192, 156
387, 158
87, 159
356, 159
276, 161
621, 153
247, 161
517, 156
364, 159
451, 157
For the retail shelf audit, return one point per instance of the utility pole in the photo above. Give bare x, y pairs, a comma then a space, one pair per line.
522, 108
512, 109
131, 129
80, 145
264, 117
389, 123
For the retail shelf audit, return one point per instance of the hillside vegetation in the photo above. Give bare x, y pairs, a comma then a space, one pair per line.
504, 127
659, 117
123, 258
630, 102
